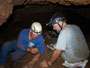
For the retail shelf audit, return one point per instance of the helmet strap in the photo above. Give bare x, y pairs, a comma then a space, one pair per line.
60, 25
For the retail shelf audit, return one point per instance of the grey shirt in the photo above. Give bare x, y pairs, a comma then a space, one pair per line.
71, 40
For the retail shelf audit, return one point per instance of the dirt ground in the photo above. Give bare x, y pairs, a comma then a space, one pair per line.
22, 18
57, 64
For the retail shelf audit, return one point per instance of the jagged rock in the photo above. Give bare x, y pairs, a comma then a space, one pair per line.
70, 2
6, 6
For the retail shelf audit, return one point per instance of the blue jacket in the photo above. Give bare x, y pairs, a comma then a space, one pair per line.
23, 41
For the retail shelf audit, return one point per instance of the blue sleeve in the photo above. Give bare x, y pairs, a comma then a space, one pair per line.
22, 41
41, 46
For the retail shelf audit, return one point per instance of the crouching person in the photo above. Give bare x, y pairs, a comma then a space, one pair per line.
71, 44
29, 40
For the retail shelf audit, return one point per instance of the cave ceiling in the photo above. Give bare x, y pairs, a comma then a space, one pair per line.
6, 6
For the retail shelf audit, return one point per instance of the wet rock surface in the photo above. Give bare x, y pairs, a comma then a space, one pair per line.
22, 18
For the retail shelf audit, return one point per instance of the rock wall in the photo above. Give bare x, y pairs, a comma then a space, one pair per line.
6, 6
70, 2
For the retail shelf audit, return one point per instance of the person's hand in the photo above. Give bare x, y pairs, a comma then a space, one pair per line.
30, 65
44, 64
28, 49
34, 50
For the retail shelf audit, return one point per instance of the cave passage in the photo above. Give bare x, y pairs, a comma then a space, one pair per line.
24, 16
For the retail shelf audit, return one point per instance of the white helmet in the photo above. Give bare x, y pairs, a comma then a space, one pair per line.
36, 28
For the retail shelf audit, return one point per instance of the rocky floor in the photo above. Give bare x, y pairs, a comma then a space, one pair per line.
58, 63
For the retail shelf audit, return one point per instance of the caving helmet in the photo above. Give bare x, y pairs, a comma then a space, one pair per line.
36, 28
56, 18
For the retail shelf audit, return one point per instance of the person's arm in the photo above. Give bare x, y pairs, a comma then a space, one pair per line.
54, 56
60, 46
22, 39
35, 59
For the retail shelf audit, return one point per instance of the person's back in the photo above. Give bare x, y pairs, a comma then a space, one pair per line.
76, 47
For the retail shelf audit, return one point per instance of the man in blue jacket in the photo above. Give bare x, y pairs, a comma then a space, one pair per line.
29, 40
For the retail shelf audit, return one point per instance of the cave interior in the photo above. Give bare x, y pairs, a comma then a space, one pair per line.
23, 16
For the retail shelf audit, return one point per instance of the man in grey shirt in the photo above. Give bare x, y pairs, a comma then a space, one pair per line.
71, 43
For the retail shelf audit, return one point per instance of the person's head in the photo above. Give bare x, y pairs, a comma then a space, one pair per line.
57, 21
36, 29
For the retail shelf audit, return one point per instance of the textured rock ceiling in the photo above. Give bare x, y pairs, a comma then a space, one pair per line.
6, 6
70, 2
